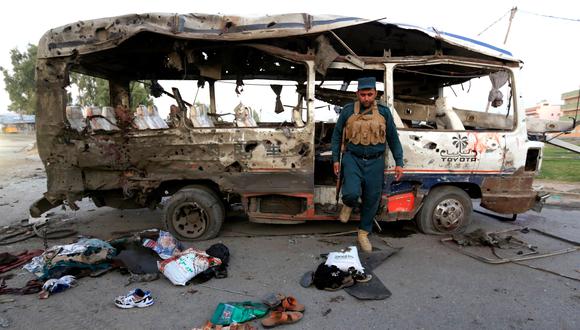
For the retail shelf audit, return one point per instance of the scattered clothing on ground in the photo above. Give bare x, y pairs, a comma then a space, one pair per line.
10, 261
81, 258
31, 287
53, 286
138, 259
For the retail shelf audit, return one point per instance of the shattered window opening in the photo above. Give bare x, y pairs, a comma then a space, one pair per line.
453, 97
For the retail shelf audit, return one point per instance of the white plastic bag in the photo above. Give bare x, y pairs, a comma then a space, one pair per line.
186, 265
345, 259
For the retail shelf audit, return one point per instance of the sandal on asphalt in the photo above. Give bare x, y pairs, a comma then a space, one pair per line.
135, 298
290, 304
278, 318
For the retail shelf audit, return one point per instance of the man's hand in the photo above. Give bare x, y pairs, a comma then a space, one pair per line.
398, 173
336, 168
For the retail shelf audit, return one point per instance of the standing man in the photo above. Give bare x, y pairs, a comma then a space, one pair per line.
366, 127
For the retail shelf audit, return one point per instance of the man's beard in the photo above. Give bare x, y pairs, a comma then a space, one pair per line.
367, 105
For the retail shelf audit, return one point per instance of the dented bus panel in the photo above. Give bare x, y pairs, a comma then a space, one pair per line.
458, 143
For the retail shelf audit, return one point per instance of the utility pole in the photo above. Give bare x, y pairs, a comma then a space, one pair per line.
512, 14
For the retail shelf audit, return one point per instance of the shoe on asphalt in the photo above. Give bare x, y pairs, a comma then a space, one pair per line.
362, 277
363, 241
135, 298
345, 213
359, 276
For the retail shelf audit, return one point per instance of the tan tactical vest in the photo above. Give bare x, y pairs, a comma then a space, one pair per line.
366, 128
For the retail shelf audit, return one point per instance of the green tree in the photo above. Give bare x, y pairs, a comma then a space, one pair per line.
95, 91
20, 84
92, 90
139, 94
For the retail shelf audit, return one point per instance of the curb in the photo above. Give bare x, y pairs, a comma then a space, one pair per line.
563, 199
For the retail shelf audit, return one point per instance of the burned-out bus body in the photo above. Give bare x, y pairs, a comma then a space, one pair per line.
204, 157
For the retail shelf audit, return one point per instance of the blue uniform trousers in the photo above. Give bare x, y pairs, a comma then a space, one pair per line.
363, 178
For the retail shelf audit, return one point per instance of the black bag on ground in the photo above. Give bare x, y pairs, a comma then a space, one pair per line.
222, 252
331, 278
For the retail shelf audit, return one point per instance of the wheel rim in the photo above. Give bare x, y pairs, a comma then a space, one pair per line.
448, 215
190, 220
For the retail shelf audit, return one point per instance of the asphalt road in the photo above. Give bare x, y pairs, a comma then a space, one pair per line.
432, 286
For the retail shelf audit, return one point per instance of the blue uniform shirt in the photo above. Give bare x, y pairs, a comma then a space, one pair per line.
392, 136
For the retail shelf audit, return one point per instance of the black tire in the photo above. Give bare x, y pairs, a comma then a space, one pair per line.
194, 214
445, 210
208, 190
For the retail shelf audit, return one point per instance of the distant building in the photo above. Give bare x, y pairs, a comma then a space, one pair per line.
569, 110
16, 123
544, 110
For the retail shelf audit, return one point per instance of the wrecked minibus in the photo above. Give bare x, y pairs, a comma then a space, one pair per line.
254, 132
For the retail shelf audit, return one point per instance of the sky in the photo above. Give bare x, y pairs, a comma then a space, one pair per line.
549, 47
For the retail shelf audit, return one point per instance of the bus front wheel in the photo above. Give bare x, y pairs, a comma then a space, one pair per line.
445, 210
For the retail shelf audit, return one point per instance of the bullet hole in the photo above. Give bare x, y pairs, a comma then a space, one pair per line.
200, 168
293, 165
415, 137
271, 24
304, 150
229, 25
101, 34
250, 146
430, 145
234, 167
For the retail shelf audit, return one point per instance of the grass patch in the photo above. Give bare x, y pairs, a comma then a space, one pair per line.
560, 165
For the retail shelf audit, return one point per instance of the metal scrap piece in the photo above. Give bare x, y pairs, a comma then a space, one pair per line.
500, 260
325, 54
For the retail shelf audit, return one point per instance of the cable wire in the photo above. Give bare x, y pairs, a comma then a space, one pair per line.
551, 16
495, 22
